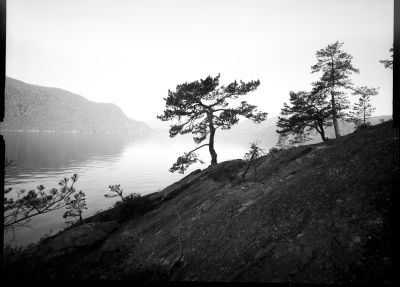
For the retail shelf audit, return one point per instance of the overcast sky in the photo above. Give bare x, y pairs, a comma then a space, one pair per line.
131, 52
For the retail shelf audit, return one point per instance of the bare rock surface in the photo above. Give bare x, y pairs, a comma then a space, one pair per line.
81, 236
316, 214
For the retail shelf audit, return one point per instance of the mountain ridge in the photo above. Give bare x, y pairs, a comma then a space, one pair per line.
30, 107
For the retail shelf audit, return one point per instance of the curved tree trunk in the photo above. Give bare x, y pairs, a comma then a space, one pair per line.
323, 135
211, 142
322, 132
320, 129
211, 147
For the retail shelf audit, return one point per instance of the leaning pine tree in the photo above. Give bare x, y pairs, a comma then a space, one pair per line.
336, 67
201, 107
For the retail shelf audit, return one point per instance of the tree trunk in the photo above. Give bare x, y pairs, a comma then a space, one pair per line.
364, 114
320, 129
211, 147
211, 142
248, 166
322, 132
334, 116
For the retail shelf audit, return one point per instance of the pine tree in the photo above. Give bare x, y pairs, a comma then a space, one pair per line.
251, 156
201, 107
307, 111
336, 67
362, 110
75, 207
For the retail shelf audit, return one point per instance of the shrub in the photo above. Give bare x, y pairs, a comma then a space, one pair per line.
251, 156
19, 212
130, 206
75, 208
274, 150
362, 126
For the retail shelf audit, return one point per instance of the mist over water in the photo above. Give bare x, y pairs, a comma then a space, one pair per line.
139, 164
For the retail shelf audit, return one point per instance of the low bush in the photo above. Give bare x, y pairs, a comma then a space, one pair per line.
130, 208
362, 126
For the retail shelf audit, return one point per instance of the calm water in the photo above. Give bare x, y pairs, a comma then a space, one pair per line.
139, 164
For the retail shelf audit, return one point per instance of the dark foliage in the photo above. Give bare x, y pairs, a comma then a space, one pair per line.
336, 67
75, 208
131, 207
251, 156
306, 112
362, 110
115, 189
19, 212
388, 63
362, 126
201, 107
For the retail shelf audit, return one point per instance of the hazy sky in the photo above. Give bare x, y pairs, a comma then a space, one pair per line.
131, 52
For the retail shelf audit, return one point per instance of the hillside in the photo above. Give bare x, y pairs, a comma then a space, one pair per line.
247, 131
320, 213
35, 108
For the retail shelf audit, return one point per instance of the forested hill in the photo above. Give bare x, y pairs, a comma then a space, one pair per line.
35, 108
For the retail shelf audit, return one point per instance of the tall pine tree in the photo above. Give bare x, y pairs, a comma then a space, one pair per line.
336, 67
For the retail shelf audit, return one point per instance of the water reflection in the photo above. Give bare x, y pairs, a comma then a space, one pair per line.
38, 153
139, 164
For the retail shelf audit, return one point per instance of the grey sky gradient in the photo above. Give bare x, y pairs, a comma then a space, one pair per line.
131, 52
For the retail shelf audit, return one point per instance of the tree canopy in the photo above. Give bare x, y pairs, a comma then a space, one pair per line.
306, 112
362, 109
19, 212
201, 107
336, 68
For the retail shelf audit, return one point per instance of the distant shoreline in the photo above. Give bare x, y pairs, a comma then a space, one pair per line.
74, 132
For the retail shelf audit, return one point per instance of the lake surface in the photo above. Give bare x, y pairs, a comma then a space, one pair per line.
139, 164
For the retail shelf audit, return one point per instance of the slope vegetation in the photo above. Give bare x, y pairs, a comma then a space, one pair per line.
317, 214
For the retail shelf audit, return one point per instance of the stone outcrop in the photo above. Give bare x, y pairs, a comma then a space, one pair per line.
85, 235
316, 214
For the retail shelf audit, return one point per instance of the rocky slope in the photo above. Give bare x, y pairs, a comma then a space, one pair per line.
315, 214
247, 131
31, 107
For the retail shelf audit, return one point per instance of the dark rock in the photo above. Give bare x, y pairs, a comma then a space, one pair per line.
84, 235
174, 189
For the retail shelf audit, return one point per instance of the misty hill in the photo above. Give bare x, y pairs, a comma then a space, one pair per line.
36, 108
319, 213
